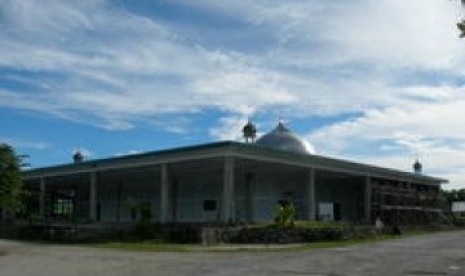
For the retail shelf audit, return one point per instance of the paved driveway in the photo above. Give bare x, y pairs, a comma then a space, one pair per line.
437, 254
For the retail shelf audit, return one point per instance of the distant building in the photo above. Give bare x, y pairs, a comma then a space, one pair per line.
458, 209
231, 182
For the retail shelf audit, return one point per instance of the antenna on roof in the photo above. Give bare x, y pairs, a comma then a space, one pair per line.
280, 117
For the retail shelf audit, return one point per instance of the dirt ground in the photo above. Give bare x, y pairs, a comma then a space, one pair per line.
434, 254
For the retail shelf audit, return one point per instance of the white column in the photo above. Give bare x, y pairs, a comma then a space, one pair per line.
165, 202
42, 197
368, 199
248, 197
311, 194
93, 197
228, 210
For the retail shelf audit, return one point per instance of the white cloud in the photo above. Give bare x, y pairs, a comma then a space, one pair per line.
397, 63
118, 67
111, 67
24, 144
417, 33
437, 120
394, 136
230, 128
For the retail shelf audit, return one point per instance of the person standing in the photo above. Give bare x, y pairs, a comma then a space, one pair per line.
379, 225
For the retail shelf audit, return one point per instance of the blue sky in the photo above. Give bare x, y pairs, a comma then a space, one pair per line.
380, 82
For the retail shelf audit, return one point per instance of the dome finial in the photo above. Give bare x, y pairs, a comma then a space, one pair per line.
280, 120
281, 127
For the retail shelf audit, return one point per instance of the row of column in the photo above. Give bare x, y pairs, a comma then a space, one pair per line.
228, 208
227, 197
367, 196
368, 191
92, 197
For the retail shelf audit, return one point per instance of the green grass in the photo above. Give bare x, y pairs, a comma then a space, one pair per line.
158, 246
148, 245
319, 224
347, 243
303, 224
304, 247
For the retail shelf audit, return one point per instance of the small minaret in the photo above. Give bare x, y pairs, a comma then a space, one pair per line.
250, 132
78, 157
417, 167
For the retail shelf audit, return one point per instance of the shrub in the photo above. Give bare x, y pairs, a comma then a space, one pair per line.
284, 215
460, 221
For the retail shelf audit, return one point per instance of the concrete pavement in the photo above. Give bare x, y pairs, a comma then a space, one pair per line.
435, 254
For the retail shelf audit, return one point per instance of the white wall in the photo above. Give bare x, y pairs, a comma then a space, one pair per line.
267, 190
191, 191
136, 188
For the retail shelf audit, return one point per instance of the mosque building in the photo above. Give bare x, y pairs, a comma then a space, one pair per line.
231, 182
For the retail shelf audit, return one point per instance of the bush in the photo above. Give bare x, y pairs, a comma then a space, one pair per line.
284, 215
146, 230
459, 221
280, 235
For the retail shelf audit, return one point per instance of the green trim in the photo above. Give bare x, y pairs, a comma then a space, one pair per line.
90, 164
246, 149
337, 164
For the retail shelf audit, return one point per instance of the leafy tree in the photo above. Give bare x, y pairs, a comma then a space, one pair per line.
454, 195
10, 179
461, 23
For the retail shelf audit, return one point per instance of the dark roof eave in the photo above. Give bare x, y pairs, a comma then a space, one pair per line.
89, 164
317, 158
304, 158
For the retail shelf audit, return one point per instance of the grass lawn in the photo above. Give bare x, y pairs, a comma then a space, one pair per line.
161, 246
148, 246
158, 246
303, 224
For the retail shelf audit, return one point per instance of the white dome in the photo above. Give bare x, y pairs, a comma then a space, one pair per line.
282, 138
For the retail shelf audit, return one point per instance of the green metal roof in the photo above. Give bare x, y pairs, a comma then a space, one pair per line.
330, 163
252, 151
